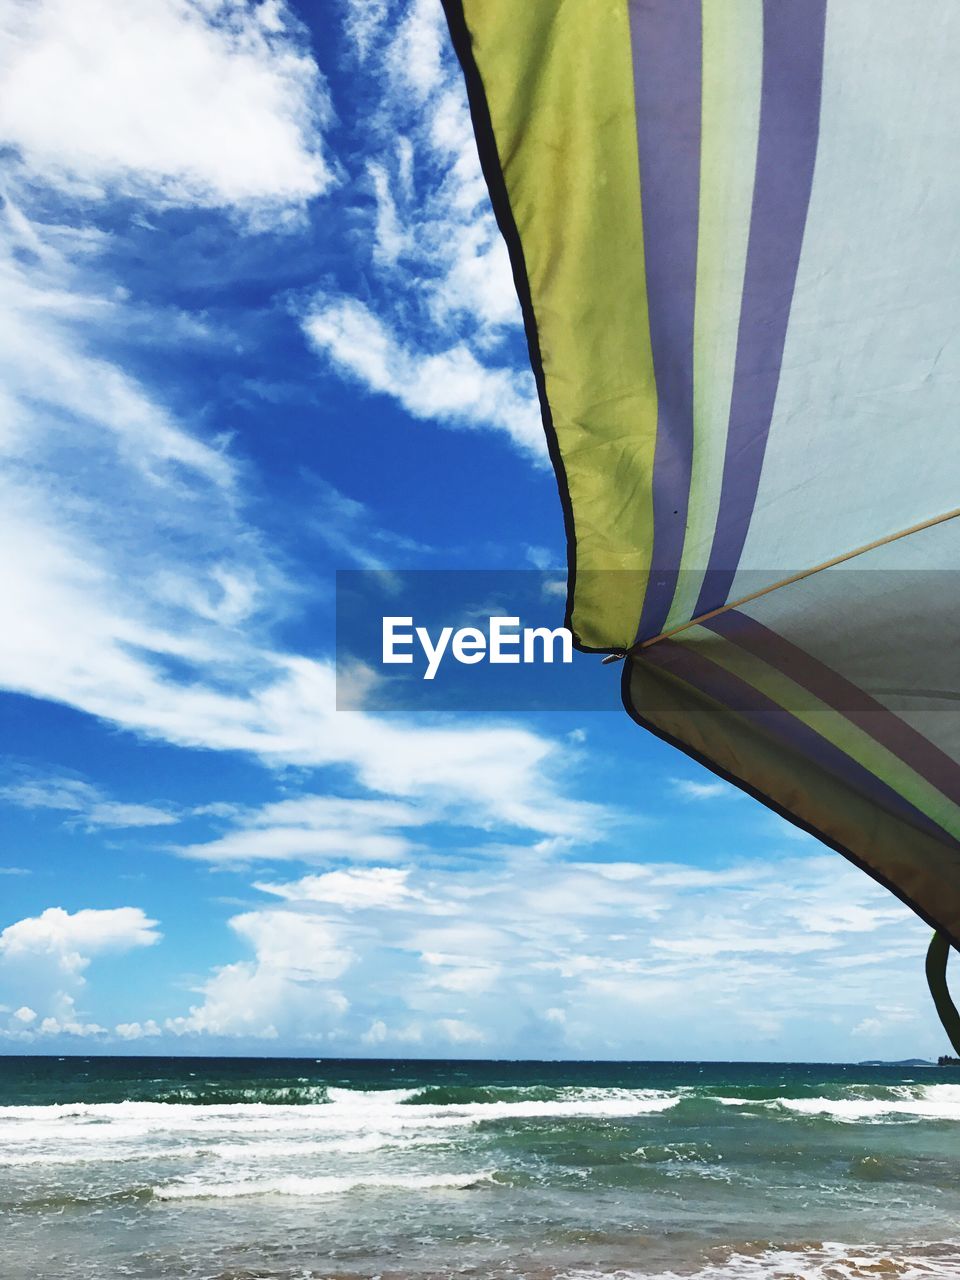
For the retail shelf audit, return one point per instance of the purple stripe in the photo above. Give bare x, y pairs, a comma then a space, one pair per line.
738, 695
793, 32
899, 738
667, 64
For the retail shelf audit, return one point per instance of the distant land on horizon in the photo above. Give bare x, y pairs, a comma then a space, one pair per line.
302, 1057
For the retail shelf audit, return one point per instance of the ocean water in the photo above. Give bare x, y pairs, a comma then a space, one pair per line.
244, 1169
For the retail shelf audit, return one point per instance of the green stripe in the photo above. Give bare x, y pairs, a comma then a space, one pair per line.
732, 72
559, 86
915, 866
830, 724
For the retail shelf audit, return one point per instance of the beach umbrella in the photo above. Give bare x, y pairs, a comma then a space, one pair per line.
734, 227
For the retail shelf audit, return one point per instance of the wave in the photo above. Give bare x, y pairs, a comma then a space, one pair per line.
928, 1102
298, 1093
344, 1110
859, 1104
821, 1261
90, 1153
295, 1185
356, 1121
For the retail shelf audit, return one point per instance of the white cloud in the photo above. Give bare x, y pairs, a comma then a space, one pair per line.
175, 644
350, 529
377, 1032
521, 954
449, 386
44, 958
417, 48
206, 102
358, 888
324, 828
73, 938
57, 385
297, 957
170, 593
450, 971
362, 22
87, 805
688, 789
826, 917
442, 271
137, 1030
889, 1020
460, 1032
298, 944
68, 1022
532, 953
240, 697
738, 942
354, 830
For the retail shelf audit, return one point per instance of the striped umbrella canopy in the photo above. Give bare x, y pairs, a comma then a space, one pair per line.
734, 232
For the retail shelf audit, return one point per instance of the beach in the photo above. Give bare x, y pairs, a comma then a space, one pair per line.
236, 1169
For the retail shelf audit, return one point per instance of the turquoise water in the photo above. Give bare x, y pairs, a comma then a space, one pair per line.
243, 1169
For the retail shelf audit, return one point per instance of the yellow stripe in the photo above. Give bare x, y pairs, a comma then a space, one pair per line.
730, 123
559, 86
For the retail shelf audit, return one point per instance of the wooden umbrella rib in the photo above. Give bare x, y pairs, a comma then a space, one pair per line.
786, 582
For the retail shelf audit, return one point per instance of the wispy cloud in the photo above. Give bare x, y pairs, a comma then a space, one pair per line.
449, 386
440, 268
350, 529
688, 789
314, 829
84, 803
566, 958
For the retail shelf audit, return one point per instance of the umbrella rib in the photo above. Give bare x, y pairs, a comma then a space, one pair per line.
786, 582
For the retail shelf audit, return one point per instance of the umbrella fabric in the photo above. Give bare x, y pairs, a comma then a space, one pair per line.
733, 228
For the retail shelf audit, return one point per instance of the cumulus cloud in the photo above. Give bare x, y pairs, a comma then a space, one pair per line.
540, 954
287, 985
172, 101
72, 939
138, 1030
460, 1032
44, 958
67, 1022
529, 952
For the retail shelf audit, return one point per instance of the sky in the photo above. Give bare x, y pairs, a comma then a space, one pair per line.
257, 325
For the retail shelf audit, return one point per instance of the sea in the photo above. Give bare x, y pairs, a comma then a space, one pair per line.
303, 1169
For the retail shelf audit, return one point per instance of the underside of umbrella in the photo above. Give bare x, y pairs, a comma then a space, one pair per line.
733, 229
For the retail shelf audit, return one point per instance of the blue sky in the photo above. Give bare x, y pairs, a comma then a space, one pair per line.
258, 326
